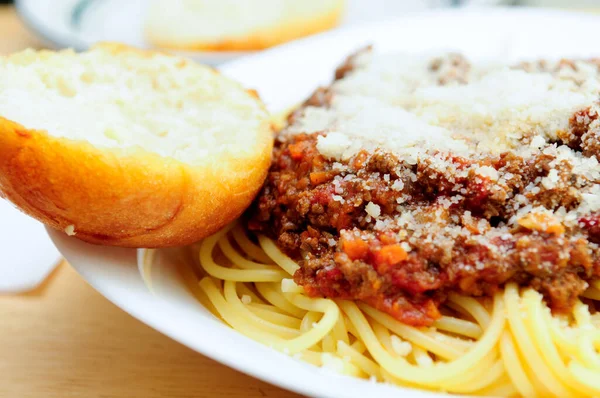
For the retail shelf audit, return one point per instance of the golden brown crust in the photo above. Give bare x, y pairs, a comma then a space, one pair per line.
124, 197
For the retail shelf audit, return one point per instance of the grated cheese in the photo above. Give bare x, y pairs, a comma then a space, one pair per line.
487, 171
397, 103
373, 210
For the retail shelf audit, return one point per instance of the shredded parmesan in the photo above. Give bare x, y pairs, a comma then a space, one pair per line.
487, 171
397, 103
373, 210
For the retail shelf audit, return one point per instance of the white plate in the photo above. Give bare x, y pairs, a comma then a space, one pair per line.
81, 23
28, 256
284, 76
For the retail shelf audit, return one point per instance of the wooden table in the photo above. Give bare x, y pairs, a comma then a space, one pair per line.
66, 340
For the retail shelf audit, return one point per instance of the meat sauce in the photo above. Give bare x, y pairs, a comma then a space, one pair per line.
402, 236
343, 254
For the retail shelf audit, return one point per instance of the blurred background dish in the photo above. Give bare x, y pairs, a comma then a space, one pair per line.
81, 23
236, 25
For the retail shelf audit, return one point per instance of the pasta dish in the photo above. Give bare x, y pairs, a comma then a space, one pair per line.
428, 222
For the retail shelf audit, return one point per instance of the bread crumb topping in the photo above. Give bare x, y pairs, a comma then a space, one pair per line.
70, 230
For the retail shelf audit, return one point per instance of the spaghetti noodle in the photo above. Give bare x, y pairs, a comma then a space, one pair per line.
508, 345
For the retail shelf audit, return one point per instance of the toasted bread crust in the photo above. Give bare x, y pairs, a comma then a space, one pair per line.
118, 197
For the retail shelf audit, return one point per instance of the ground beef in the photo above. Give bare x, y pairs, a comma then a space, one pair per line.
350, 63
590, 143
579, 125
401, 236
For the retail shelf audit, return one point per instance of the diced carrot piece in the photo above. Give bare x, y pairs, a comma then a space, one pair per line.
392, 254
386, 238
296, 150
541, 222
431, 310
556, 229
319, 177
318, 162
356, 249
359, 159
389, 255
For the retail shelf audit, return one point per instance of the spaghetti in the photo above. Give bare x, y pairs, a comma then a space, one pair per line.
508, 345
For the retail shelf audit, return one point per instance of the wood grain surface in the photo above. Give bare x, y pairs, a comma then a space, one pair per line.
66, 340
